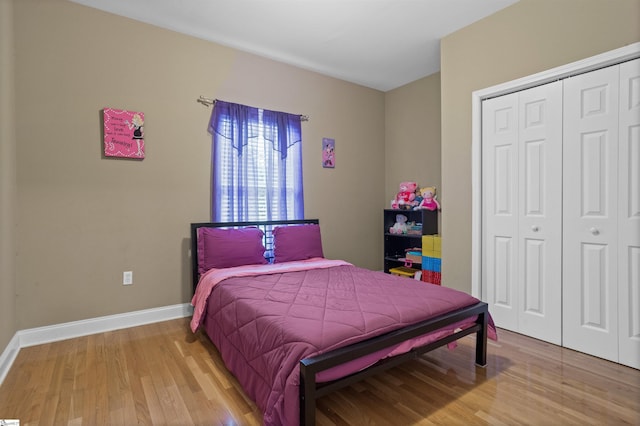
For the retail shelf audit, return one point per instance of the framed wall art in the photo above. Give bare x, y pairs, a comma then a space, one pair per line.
123, 133
328, 153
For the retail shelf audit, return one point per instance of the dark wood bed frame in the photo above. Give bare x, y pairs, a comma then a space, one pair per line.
310, 390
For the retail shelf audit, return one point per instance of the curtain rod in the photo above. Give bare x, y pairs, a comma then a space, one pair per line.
208, 102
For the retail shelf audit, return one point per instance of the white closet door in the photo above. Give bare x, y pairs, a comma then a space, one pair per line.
500, 204
629, 215
522, 171
590, 234
540, 212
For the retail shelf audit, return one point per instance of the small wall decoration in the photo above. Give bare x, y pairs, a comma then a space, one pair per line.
123, 133
328, 153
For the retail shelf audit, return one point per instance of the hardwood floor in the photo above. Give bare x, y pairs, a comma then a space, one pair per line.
162, 374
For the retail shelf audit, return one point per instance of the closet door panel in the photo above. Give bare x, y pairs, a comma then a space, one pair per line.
590, 213
500, 219
595, 287
540, 211
629, 215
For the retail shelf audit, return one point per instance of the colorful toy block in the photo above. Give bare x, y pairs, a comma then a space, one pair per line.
431, 259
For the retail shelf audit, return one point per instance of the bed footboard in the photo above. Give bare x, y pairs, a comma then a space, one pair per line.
310, 390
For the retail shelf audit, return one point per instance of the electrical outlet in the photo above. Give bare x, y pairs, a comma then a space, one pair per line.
127, 278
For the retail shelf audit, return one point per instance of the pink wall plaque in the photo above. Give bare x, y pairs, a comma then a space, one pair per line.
328, 153
123, 133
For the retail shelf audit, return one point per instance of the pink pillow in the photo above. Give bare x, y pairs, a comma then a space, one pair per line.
224, 248
297, 242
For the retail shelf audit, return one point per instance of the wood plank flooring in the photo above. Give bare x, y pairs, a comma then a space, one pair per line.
162, 374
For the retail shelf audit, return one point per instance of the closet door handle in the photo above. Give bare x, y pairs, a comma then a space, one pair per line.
535, 228
594, 231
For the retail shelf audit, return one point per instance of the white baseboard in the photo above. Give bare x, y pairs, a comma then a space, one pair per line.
8, 356
54, 333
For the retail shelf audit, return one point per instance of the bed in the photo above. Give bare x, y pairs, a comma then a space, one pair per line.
293, 326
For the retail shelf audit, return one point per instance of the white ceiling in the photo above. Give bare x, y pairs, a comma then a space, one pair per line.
382, 44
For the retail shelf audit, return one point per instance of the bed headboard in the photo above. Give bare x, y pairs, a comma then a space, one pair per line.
266, 227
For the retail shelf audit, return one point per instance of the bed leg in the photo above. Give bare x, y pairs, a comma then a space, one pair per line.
481, 340
307, 397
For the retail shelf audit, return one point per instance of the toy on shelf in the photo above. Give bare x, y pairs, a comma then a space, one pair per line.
400, 227
414, 228
429, 199
405, 198
404, 271
418, 198
413, 255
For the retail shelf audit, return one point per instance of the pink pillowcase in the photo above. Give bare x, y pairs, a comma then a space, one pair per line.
225, 248
297, 242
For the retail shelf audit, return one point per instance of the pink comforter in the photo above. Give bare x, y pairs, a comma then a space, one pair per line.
264, 325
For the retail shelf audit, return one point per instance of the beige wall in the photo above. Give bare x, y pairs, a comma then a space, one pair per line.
412, 135
7, 177
523, 39
83, 219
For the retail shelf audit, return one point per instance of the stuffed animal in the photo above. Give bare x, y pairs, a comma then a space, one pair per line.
418, 200
400, 227
405, 197
429, 199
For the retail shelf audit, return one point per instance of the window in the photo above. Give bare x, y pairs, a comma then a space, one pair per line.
257, 164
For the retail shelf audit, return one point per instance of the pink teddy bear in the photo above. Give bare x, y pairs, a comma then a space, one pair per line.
405, 197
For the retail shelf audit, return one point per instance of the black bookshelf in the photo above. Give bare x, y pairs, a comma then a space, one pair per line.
396, 245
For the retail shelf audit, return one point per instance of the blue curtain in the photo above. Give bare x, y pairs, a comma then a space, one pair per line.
256, 164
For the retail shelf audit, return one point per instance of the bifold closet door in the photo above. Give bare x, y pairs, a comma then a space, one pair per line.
499, 206
522, 174
629, 215
590, 226
602, 213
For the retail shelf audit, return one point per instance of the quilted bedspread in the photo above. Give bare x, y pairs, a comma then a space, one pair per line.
264, 325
